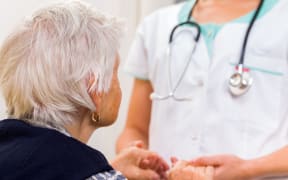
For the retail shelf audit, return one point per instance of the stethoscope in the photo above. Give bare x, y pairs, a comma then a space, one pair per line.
240, 81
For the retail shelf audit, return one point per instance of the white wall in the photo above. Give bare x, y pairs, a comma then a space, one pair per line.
13, 11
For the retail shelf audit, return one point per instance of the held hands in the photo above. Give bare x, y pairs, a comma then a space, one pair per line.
221, 167
136, 163
183, 170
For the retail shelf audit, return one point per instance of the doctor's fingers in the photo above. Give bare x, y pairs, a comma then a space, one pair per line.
209, 173
179, 164
184, 173
137, 143
207, 161
150, 160
201, 173
158, 168
191, 173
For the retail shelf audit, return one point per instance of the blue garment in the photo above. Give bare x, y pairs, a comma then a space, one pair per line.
33, 153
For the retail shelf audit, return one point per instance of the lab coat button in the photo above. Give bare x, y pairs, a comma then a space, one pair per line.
201, 83
194, 138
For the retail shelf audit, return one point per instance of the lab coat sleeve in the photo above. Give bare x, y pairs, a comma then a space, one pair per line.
137, 61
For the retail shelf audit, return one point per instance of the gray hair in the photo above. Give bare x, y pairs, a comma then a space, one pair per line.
45, 65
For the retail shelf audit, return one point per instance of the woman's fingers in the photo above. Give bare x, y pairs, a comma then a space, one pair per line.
146, 174
150, 160
157, 166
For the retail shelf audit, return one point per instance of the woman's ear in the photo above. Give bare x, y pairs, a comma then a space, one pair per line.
95, 96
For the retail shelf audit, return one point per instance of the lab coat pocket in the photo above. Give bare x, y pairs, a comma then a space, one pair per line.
264, 97
261, 111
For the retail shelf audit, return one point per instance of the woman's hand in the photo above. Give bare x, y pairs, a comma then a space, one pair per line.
136, 163
182, 170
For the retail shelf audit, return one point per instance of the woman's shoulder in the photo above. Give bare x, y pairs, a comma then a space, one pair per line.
70, 150
31, 148
61, 153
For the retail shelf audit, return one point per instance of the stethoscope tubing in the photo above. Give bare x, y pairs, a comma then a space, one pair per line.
178, 82
243, 51
193, 24
240, 65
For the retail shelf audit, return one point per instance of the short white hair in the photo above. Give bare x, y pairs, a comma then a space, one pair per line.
45, 64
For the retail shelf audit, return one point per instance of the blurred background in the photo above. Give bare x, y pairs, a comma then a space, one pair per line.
133, 11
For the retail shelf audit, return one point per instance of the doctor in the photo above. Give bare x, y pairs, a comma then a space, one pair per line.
218, 94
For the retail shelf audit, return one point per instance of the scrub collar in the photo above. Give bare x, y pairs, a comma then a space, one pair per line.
267, 6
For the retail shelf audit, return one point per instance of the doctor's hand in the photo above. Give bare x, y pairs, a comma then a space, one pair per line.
227, 167
182, 170
136, 163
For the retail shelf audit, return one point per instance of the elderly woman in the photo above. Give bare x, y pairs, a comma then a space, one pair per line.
58, 74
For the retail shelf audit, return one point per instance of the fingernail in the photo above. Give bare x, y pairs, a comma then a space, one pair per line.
156, 177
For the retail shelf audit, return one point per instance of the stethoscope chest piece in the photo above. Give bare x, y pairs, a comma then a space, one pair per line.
239, 83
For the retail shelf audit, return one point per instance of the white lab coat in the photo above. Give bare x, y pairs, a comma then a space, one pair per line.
214, 122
